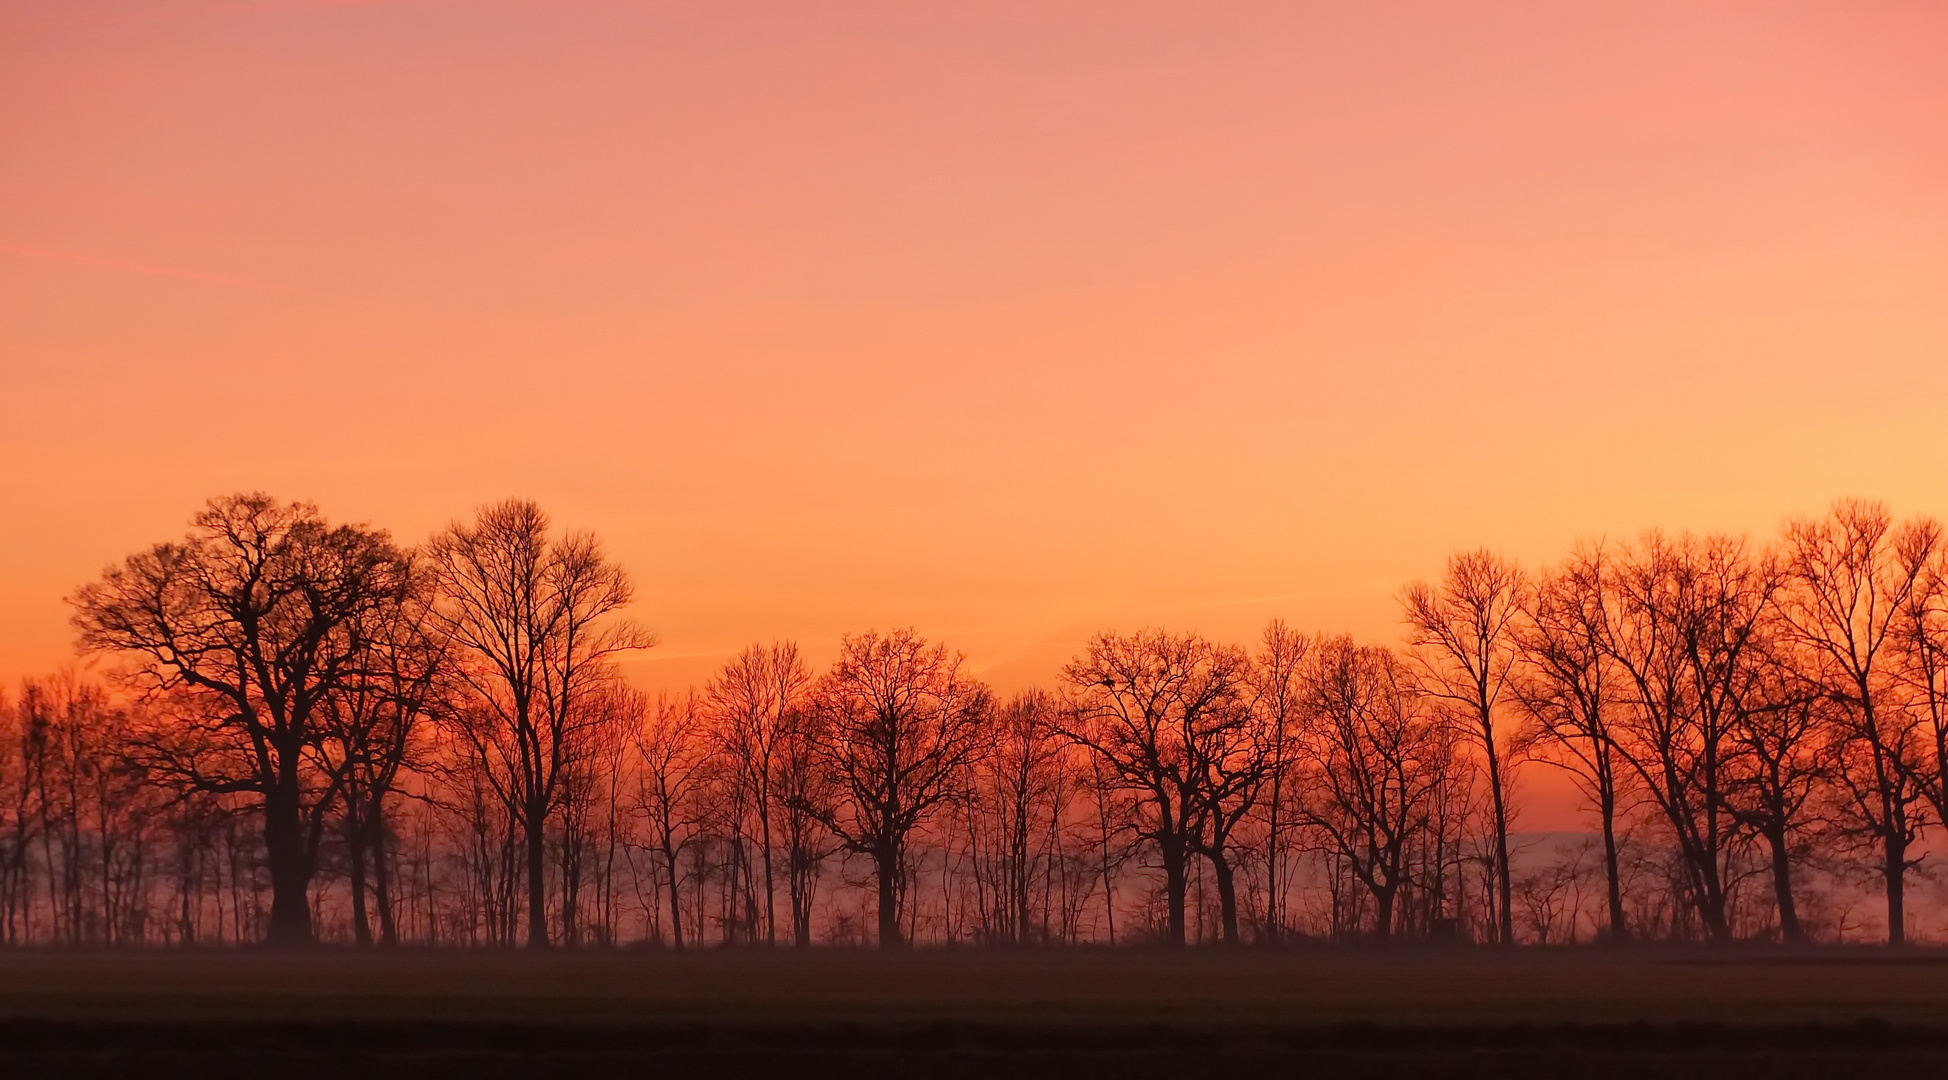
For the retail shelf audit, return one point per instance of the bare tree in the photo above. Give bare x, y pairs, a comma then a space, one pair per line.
899, 725
74, 796
1569, 695
250, 624
1778, 771
1116, 815
753, 703
588, 831
20, 788
1278, 692
1854, 573
1379, 759
1550, 892
670, 740
375, 723
1234, 764
1160, 710
1749, 726
1686, 631
1020, 793
528, 618
1462, 633
801, 784
1922, 649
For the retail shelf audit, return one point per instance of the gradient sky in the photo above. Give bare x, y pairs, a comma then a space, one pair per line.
1010, 321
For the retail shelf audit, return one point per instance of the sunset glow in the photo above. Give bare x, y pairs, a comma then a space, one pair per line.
1012, 322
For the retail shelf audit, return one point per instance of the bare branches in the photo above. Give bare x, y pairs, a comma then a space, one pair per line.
755, 703
249, 626
448, 736
1169, 717
528, 618
1379, 761
899, 724
1859, 579
1462, 634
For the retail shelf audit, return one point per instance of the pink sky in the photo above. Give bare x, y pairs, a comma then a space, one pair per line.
1010, 321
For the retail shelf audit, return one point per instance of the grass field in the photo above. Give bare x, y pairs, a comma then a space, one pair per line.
964, 1013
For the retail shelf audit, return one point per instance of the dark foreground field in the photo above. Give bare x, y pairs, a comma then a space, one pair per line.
969, 1014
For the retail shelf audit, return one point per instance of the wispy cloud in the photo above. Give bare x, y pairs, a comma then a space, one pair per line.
140, 268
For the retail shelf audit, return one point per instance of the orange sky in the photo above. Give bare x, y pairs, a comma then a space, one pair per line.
1011, 321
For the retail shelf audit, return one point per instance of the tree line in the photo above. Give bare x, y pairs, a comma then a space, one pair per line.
311, 732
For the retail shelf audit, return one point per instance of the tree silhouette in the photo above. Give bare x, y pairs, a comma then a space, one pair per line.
1463, 634
1569, 692
1855, 573
899, 723
527, 617
1162, 711
243, 632
312, 734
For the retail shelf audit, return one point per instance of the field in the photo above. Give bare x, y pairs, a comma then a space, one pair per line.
965, 1013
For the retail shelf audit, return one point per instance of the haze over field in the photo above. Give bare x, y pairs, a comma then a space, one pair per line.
1010, 321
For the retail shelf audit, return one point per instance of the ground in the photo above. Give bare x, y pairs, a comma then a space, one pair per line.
1470, 1012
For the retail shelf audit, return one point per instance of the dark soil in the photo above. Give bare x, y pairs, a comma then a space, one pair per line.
1131, 1015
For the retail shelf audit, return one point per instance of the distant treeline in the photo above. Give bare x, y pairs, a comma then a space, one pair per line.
314, 733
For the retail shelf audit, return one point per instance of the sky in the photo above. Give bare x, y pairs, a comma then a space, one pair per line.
1012, 322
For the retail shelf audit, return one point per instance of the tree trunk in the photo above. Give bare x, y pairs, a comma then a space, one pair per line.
1895, 871
749, 920
1507, 912
1023, 914
1274, 907
1711, 906
886, 861
1789, 929
770, 889
381, 876
1613, 876
361, 920
1227, 887
676, 899
798, 883
290, 923
572, 855
537, 835
1383, 913
186, 927
1175, 885
801, 900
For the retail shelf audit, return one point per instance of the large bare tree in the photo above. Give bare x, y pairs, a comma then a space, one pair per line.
241, 634
530, 622
1161, 712
1687, 632
899, 724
